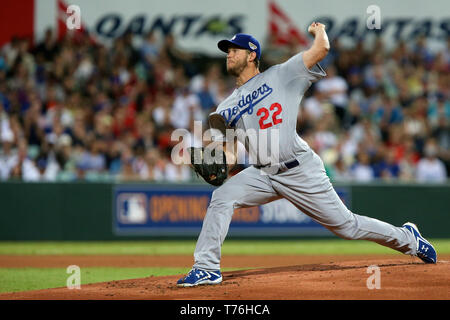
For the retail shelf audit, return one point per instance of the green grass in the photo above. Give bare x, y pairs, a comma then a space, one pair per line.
24, 279
184, 247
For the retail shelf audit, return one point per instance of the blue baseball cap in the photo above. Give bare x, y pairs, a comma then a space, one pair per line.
242, 40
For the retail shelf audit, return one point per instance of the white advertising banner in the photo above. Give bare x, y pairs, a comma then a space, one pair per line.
199, 24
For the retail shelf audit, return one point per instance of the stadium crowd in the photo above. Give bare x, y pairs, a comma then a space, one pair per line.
76, 110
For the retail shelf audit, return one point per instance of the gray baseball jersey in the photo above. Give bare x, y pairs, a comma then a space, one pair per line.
263, 111
270, 101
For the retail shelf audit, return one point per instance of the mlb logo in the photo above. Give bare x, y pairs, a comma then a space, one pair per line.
132, 208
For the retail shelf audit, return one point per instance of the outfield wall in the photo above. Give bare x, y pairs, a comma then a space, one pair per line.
108, 211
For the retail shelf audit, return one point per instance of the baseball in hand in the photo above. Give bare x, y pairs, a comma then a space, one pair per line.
314, 27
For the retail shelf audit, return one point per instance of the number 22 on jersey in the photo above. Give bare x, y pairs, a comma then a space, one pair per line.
263, 124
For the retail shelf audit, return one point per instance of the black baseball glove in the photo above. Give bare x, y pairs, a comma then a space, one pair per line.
213, 169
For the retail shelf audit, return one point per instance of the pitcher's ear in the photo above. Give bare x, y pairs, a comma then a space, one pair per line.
252, 56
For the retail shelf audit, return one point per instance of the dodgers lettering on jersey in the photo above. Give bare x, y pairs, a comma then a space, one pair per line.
245, 105
263, 111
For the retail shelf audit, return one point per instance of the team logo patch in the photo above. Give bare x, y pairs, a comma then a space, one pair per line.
252, 45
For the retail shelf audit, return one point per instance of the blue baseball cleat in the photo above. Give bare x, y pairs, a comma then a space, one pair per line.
425, 250
197, 277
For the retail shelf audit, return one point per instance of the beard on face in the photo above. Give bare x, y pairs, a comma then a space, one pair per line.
238, 67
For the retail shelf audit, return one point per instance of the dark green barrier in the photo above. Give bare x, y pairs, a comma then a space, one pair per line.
428, 206
55, 211
83, 211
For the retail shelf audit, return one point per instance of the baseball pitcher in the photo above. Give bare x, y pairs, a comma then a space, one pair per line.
268, 103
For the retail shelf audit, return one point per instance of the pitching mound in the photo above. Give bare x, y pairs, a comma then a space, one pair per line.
303, 278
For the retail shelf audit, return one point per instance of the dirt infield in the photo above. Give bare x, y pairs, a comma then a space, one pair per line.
268, 278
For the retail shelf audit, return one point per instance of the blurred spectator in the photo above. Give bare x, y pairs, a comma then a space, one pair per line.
430, 168
7, 156
177, 56
150, 50
181, 173
341, 172
408, 161
438, 109
92, 159
385, 165
442, 135
185, 109
314, 107
388, 112
155, 164
206, 99
47, 48
22, 167
139, 165
361, 171
46, 163
126, 171
324, 136
334, 88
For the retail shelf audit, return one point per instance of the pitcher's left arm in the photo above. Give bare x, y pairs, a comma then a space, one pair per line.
320, 46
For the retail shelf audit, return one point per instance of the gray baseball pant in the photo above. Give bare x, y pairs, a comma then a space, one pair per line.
306, 186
